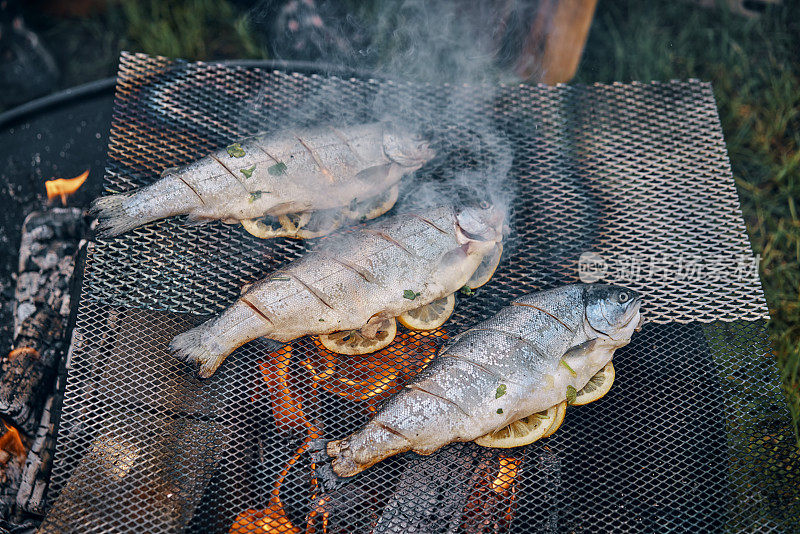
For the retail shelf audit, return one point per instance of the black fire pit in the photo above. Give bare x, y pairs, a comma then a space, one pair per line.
693, 437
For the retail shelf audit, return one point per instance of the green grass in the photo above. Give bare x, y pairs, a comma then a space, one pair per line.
88, 48
754, 66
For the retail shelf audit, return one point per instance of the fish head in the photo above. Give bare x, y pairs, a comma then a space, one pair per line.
405, 147
613, 312
480, 223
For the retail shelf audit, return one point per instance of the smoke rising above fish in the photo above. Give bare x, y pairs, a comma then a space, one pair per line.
497, 372
352, 172
356, 281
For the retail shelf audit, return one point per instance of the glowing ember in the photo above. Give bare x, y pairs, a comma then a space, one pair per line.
64, 187
271, 520
490, 505
374, 377
506, 474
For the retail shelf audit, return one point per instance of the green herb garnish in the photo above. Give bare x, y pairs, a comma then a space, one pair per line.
255, 195
248, 172
235, 150
572, 394
410, 294
322, 320
499, 410
466, 291
542, 416
278, 168
565, 364
501, 390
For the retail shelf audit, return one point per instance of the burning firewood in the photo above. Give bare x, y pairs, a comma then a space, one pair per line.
287, 412
158, 467
490, 505
366, 378
49, 242
36, 476
286, 402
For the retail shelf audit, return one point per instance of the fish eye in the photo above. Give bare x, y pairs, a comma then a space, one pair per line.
623, 297
484, 205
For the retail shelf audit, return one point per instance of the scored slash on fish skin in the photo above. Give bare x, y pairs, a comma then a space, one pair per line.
310, 170
343, 292
487, 378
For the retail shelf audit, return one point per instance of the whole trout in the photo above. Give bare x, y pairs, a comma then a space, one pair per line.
289, 172
353, 281
501, 370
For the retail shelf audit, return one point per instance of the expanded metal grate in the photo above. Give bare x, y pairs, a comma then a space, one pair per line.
693, 437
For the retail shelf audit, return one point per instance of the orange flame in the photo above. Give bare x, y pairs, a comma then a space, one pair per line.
369, 377
11, 442
64, 187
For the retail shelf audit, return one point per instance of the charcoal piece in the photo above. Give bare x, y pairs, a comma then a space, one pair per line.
137, 340
432, 490
155, 469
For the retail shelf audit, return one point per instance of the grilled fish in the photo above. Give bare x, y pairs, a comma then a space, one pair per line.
357, 280
292, 172
501, 370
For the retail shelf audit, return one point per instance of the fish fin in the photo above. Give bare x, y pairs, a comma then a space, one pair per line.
194, 219
326, 476
117, 214
376, 173
189, 346
581, 350
285, 208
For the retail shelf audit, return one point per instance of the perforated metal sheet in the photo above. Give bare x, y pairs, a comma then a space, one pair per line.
693, 437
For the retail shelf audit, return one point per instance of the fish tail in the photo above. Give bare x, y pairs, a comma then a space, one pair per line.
126, 211
366, 447
342, 461
193, 347
317, 450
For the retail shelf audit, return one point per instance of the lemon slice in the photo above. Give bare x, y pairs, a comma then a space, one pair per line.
352, 342
522, 432
487, 267
373, 207
430, 316
561, 411
261, 230
597, 386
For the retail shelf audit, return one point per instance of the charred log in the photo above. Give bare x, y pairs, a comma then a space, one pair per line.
49, 242
36, 475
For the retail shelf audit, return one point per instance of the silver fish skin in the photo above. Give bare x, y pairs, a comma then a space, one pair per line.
287, 172
352, 280
501, 370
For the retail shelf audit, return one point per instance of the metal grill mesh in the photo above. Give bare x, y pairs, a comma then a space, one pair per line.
693, 437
